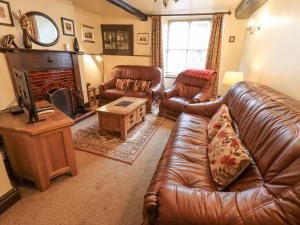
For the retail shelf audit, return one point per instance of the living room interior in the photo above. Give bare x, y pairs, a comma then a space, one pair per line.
153, 112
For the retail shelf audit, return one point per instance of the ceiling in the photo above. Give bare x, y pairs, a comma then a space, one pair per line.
149, 6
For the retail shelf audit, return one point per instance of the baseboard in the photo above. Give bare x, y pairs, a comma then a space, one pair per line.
9, 199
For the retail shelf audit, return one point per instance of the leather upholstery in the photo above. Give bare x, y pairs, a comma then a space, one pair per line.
185, 90
109, 92
268, 192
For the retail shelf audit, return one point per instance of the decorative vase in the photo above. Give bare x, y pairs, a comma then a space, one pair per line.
26, 39
76, 45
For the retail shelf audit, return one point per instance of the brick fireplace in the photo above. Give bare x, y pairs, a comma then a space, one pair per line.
49, 70
43, 82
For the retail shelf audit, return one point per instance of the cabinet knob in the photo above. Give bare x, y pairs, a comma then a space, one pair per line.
50, 59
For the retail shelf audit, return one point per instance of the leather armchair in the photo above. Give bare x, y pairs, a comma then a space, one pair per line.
184, 91
109, 92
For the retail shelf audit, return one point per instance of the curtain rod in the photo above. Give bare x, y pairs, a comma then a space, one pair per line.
191, 14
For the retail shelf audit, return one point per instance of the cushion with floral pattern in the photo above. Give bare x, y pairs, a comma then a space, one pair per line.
142, 85
217, 121
123, 84
227, 157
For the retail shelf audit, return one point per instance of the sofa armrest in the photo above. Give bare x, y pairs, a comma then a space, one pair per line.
184, 205
171, 92
201, 97
108, 85
207, 109
156, 90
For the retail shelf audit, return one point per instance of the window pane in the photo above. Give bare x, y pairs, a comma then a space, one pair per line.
178, 35
176, 62
196, 59
199, 34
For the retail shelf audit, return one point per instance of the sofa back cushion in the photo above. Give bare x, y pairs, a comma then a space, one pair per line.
146, 73
187, 91
269, 125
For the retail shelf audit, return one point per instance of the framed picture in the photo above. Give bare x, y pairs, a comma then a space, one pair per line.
68, 26
232, 39
117, 39
88, 33
143, 38
6, 18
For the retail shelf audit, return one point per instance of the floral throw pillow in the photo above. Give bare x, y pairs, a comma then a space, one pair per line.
217, 121
123, 84
142, 85
228, 159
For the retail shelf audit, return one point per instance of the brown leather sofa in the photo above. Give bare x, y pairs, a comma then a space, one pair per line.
267, 193
109, 92
185, 90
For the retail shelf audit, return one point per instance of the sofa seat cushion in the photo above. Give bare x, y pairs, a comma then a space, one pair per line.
176, 104
113, 94
136, 94
185, 160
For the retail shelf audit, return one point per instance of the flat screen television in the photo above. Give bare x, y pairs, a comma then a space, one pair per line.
25, 95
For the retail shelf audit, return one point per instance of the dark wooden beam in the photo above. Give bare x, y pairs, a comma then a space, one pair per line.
129, 8
248, 7
190, 14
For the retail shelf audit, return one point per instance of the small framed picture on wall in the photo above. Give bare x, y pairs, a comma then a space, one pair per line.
68, 27
6, 18
88, 33
143, 38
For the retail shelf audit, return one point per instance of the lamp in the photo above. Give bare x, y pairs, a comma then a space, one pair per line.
252, 27
231, 78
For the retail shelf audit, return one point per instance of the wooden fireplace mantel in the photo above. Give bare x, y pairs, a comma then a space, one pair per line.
4, 50
32, 60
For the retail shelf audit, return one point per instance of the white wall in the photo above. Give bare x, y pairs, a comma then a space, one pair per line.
231, 52
271, 55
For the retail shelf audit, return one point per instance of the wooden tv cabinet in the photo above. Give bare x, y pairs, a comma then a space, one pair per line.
41, 151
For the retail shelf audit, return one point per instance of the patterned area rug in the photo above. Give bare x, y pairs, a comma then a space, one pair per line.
111, 145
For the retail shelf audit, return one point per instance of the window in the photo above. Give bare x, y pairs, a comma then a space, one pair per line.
187, 46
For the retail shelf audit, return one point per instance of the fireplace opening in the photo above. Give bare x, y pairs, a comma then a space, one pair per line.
62, 99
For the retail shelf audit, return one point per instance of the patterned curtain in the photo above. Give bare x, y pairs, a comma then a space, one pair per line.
156, 45
214, 49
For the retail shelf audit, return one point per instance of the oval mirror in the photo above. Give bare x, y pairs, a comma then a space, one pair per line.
42, 29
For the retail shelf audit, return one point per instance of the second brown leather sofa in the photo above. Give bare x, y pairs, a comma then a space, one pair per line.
109, 92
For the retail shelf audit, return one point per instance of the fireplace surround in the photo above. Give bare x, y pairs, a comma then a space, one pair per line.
48, 71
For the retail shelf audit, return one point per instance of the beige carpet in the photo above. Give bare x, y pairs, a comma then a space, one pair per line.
111, 146
105, 192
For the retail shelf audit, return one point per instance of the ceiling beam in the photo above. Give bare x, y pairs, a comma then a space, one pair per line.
248, 7
129, 8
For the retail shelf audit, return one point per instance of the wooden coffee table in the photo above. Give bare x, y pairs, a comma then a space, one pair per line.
122, 119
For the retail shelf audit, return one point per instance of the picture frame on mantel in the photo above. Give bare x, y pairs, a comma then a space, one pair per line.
6, 18
68, 27
88, 33
117, 39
